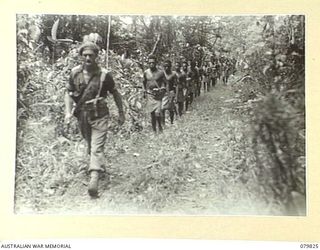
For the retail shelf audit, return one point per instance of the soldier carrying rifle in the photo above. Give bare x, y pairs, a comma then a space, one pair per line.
87, 88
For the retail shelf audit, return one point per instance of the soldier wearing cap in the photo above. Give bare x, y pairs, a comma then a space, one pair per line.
87, 88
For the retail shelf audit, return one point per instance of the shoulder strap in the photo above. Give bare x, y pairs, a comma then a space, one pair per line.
103, 75
76, 70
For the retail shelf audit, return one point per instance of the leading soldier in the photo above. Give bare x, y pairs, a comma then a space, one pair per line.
87, 88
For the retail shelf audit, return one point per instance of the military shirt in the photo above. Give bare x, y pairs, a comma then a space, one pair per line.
77, 83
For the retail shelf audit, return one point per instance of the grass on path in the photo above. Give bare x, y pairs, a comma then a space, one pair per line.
202, 164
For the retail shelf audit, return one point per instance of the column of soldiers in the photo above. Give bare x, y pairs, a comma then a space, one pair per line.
227, 68
175, 90
166, 90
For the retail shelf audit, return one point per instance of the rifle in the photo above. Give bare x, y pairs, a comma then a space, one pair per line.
94, 103
156, 91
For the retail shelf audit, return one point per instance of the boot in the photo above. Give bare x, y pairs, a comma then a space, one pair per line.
93, 184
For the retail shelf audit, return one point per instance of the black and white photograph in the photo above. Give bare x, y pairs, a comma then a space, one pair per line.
160, 115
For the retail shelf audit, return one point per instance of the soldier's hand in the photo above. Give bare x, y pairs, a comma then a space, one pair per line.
67, 118
121, 119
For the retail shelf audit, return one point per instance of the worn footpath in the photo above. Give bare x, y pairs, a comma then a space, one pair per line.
200, 165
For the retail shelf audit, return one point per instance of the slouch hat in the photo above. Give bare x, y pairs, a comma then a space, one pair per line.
89, 46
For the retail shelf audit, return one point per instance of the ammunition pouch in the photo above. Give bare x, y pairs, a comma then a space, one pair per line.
95, 108
158, 94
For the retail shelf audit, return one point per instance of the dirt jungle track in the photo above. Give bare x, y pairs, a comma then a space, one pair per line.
199, 165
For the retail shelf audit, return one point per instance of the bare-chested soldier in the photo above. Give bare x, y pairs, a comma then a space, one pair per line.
206, 77
154, 85
192, 81
198, 68
188, 95
171, 82
215, 71
181, 87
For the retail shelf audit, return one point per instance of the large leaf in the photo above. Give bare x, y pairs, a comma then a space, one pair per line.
51, 40
54, 30
65, 40
266, 68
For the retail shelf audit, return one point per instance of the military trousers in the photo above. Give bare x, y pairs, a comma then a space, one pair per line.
99, 129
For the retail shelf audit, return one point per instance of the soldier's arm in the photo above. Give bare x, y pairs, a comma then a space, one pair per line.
68, 101
175, 80
184, 81
162, 80
177, 87
145, 81
118, 100
188, 79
